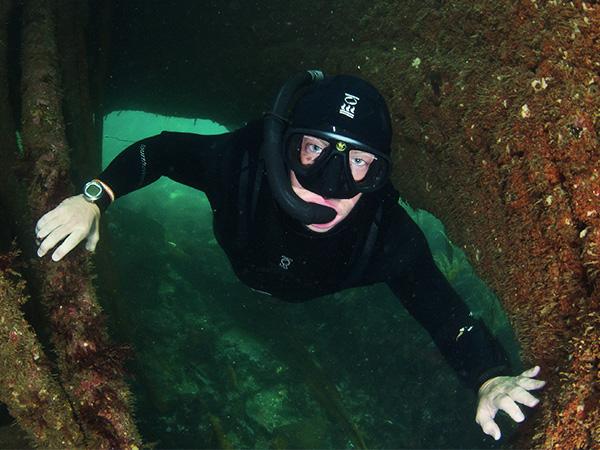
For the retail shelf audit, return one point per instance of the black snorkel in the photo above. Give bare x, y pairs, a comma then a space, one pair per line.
279, 179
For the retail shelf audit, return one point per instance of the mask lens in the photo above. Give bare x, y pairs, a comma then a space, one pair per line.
360, 163
331, 161
368, 170
310, 150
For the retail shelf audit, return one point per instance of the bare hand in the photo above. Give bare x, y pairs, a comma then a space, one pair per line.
73, 220
503, 393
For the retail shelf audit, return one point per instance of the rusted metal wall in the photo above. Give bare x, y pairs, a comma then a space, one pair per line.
501, 140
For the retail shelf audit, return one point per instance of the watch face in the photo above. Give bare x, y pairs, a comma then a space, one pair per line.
92, 191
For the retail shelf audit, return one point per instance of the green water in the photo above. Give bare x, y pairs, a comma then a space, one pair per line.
210, 351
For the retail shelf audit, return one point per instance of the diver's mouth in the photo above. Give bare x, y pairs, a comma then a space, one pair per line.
326, 225
323, 225
323, 201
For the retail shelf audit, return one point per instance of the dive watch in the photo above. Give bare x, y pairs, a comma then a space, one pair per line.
92, 191
96, 192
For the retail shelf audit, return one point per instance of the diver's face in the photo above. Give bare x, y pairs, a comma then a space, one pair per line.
342, 206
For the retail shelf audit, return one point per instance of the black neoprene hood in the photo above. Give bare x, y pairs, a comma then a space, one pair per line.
344, 109
346, 105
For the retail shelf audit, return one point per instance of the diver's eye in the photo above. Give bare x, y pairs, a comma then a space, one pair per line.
359, 162
311, 149
314, 148
361, 159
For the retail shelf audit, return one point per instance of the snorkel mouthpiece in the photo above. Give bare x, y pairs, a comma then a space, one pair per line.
275, 123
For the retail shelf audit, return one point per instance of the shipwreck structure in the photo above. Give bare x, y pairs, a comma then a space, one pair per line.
496, 109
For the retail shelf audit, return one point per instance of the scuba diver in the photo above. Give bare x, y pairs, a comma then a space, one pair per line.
303, 207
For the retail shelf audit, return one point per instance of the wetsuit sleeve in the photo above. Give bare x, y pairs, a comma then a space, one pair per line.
188, 158
464, 341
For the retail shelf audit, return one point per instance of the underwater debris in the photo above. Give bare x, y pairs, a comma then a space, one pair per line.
19, 141
539, 84
324, 391
220, 436
271, 408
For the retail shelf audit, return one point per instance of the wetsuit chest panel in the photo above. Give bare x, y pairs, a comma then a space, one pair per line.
288, 263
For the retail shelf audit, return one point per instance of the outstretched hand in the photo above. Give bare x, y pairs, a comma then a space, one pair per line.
72, 221
503, 393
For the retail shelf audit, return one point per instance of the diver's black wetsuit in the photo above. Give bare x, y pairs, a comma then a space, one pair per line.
273, 253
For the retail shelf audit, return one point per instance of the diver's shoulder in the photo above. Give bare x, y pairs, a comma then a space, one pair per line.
395, 218
250, 132
388, 194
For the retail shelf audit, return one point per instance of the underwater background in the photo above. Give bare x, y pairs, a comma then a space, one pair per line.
496, 131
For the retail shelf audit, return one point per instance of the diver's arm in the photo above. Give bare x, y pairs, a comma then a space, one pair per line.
185, 157
465, 342
188, 158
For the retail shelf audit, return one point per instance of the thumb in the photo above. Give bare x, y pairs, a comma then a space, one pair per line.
91, 241
94, 235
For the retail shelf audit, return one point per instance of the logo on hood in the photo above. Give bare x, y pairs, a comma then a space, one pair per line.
348, 107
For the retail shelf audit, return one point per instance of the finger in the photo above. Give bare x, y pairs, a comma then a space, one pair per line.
485, 418
506, 404
49, 226
530, 383
490, 428
91, 242
68, 245
44, 219
53, 238
531, 373
485, 413
522, 396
